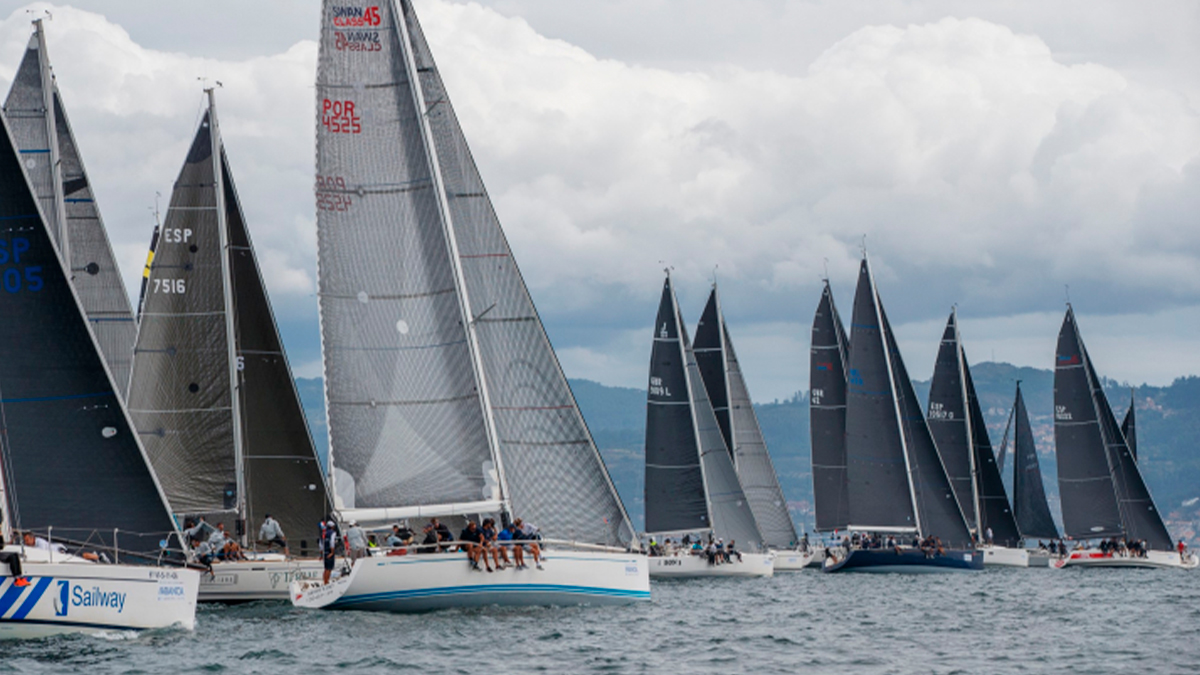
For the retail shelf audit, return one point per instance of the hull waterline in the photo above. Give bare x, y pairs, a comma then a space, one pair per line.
419, 583
1152, 560
1001, 556
904, 561
266, 578
687, 566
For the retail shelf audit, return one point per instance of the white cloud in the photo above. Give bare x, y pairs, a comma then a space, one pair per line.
984, 167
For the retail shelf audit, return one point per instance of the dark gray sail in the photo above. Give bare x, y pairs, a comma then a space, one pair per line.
949, 421
742, 434
1129, 426
938, 511
540, 435
71, 460
674, 488
283, 476
1030, 508
180, 396
1139, 515
827, 416
37, 114
994, 509
1085, 471
880, 494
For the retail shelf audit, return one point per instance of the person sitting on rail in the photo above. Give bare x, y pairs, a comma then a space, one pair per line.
194, 532
472, 544
443, 534
490, 545
399, 537
504, 539
529, 536
730, 550
430, 543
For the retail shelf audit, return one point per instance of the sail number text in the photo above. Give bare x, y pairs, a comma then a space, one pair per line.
18, 277
331, 194
177, 235
815, 396
353, 17
339, 117
657, 388
1060, 413
176, 286
937, 411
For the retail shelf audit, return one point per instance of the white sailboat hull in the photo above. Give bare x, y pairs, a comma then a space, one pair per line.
793, 560
1040, 559
79, 596
687, 566
418, 583
1154, 560
1001, 556
818, 559
266, 578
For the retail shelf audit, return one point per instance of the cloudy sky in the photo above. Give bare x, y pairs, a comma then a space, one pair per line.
992, 153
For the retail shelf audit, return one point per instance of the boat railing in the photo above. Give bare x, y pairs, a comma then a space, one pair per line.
452, 545
84, 540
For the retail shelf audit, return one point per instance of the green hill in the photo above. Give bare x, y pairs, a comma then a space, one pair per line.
1168, 433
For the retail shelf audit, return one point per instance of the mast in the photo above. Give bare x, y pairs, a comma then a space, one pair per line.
235, 399
443, 206
687, 379
962, 377
59, 226
900, 428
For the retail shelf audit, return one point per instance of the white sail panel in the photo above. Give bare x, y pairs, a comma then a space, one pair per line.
554, 472
404, 410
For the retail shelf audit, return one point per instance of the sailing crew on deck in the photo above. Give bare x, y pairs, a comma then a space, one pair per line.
272, 534
528, 533
13, 560
987, 536
443, 533
356, 538
399, 536
328, 539
195, 532
430, 543
1182, 547
505, 538
472, 543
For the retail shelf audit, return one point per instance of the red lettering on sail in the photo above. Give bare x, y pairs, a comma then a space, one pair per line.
338, 117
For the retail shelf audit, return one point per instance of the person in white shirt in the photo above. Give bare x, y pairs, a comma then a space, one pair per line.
271, 533
357, 539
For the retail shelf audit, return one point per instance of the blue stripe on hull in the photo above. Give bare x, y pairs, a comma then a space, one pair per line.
497, 594
907, 562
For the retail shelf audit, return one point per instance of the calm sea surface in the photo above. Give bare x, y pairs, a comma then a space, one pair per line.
997, 621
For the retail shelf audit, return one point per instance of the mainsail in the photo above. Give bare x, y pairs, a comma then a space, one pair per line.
39, 125
684, 443
444, 392
1129, 426
212, 393
1030, 508
896, 478
730, 398
1103, 493
827, 415
960, 432
71, 460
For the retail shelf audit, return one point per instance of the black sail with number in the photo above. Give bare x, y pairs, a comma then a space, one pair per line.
1030, 508
949, 422
675, 499
876, 469
827, 416
1085, 472
71, 460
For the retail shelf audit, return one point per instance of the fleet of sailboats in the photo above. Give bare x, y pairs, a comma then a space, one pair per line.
445, 399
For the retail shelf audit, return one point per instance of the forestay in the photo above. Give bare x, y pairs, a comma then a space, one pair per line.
827, 415
71, 460
723, 381
38, 121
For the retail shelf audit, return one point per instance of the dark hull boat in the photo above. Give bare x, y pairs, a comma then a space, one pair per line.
895, 481
905, 561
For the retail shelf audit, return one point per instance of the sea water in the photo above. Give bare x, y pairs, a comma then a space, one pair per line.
996, 621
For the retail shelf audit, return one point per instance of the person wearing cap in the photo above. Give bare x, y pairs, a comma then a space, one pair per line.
329, 539
356, 539
271, 534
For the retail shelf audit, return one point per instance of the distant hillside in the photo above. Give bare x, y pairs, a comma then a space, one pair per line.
1168, 435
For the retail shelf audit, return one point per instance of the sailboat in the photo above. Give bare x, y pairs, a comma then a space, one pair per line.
38, 121
444, 396
1103, 493
827, 369
1129, 426
730, 399
896, 482
212, 395
692, 487
72, 471
960, 433
1030, 508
